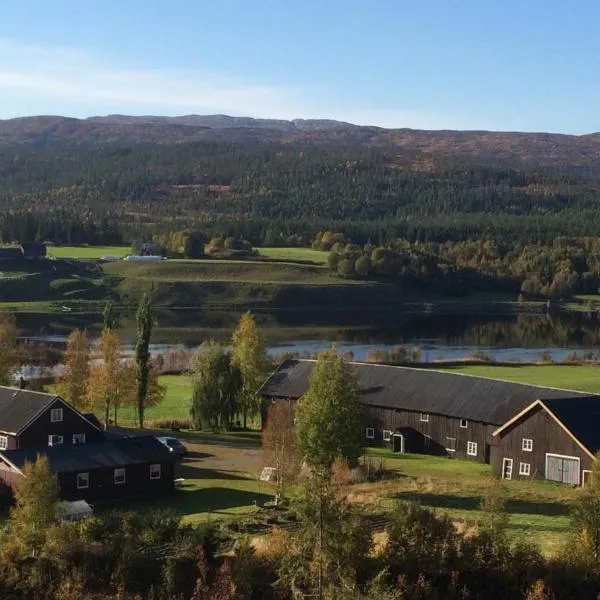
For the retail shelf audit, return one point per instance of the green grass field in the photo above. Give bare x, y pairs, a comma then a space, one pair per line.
539, 511
585, 378
295, 254
87, 252
176, 404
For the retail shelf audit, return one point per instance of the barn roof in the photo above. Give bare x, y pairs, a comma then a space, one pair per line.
18, 407
86, 457
424, 390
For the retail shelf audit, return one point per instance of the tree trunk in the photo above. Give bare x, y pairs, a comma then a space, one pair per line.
245, 417
116, 424
141, 414
106, 413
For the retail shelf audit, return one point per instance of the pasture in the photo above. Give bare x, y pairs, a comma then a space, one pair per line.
585, 378
295, 254
87, 252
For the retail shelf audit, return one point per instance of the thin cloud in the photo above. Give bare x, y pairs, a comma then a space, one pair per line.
62, 81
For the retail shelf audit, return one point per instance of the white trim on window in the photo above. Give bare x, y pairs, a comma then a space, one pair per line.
464, 423
524, 468
83, 481
56, 415
79, 438
155, 471
387, 435
424, 417
450, 441
472, 448
584, 479
120, 476
426, 441
527, 445
55, 440
370, 433
3, 442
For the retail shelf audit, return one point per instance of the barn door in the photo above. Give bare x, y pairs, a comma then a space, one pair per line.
562, 468
398, 443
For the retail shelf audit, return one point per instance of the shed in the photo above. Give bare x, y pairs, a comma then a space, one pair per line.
33, 250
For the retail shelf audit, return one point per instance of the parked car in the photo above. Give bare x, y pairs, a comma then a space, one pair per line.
174, 445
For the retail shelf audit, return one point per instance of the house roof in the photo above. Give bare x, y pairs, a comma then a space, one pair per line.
93, 419
423, 390
578, 416
19, 407
86, 457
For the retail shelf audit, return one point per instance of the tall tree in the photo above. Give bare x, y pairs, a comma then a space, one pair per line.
76, 359
216, 387
9, 351
329, 415
249, 355
36, 498
106, 382
586, 518
280, 445
142, 354
108, 315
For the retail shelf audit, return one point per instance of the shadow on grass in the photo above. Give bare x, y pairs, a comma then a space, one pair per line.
198, 455
197, 472
450, 501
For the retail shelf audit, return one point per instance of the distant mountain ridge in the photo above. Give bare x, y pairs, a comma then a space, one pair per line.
58, 131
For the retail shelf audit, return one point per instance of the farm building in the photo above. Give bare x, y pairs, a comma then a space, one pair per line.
90, 464
110, 470
553, 439
421, 410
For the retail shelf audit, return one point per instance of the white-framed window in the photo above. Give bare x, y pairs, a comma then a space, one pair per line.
524, 468
79, 438
424, 417
3, 442
56, 415
472, 448
387, 435
370, 433
55, 440
527, 445
450, 444
155, 471
464, 423
120, 476
83, 481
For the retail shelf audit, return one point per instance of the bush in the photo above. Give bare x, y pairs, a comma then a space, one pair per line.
172, 424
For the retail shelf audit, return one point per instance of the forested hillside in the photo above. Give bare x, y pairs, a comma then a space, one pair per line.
115, 179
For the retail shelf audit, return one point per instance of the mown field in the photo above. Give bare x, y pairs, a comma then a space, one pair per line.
87, 252
585, 378
294, 254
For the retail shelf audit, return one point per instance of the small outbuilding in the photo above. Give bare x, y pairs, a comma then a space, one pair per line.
33, 250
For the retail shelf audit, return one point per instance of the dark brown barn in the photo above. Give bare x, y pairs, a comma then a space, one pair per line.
422, 410
553, 439
36, 420
112, 470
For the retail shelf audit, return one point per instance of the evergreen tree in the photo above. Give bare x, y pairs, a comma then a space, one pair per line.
329, 415
142, 354
108, 315
250, 357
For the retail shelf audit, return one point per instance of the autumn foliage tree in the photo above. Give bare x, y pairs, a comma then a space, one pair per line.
76, 359
280, 448
108, 381
249, 355
9, 352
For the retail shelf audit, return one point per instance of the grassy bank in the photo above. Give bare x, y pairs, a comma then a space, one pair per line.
585, 378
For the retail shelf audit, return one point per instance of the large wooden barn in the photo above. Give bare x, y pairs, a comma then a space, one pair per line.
422, 410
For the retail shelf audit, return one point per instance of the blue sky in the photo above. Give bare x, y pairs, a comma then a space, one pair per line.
528, 65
